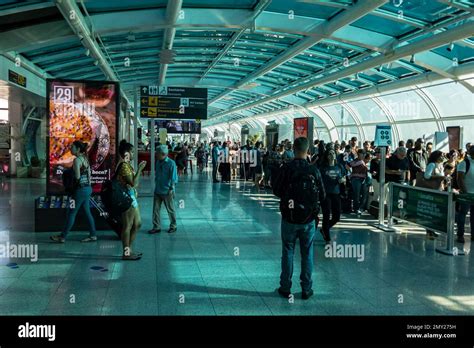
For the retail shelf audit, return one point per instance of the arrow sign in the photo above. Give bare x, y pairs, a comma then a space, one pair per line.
145, 89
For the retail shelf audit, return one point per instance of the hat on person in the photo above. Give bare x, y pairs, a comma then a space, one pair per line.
163, 149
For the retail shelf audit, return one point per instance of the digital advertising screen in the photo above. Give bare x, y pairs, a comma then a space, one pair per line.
455, 137
86, 111
300, 127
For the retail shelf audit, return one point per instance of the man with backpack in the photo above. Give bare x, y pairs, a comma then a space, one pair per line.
465, 180
300, 188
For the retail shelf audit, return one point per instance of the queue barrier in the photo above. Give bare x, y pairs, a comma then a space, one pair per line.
431, 209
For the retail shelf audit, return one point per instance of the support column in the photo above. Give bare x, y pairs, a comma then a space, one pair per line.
15, 118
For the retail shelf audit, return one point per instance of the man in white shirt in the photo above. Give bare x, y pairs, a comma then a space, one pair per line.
466, 185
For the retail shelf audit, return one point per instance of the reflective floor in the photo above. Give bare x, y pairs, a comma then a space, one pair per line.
224, 260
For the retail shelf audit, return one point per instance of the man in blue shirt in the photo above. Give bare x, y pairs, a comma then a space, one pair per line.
215, 161
166, 177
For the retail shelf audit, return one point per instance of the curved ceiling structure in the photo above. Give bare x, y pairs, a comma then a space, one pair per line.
349, 64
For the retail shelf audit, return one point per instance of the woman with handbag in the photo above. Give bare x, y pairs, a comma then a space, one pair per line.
81, 194
131, 218
433, 178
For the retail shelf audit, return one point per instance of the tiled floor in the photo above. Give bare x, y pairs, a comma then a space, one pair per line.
224, 260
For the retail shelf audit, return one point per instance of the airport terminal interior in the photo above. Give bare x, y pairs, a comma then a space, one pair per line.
376, 84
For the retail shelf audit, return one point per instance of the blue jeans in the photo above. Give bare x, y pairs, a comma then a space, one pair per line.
289, 234
461, 218
81, 198
358, 192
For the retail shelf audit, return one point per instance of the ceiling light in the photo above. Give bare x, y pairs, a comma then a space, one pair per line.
412, 59
450, 47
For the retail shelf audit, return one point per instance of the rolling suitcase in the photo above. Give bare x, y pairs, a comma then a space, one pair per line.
114, 222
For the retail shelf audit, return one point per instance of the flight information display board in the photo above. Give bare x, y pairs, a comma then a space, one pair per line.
179, 127
164, 102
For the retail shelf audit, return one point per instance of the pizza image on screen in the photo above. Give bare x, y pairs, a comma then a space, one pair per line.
71, 123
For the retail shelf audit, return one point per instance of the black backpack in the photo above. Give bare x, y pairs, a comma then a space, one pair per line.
300, 197
115, 196
69, 182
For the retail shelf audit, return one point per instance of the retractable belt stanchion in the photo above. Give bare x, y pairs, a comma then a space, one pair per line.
381, 223
450, 249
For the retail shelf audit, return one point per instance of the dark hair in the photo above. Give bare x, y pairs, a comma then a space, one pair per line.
435, 156
124, 147
401, 143
429, 143
452, 153
301, 144
80, 145
471, 151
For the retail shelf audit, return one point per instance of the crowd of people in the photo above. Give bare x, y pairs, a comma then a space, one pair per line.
346, 177
351, 172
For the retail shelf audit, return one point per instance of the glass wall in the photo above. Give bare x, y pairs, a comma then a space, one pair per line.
413, 112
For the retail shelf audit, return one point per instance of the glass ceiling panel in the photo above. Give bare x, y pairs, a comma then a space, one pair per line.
407, 106
305, 8
220, 3
369, 111
452, 99
345, 133
424, 10
383, 25
339, 114
370, 132
416, 130
458, 51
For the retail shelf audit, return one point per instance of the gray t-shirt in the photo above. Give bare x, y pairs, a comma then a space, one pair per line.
469, 177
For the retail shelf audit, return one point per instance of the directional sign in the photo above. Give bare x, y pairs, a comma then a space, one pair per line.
383, 135
166, 102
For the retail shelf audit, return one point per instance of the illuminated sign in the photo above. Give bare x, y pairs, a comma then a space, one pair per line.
173, 102
85, 111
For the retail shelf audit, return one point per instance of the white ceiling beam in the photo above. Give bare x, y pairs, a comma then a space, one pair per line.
457, 33
172, 12
321, 31
73, 16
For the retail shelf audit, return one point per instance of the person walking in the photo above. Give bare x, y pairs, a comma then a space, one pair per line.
166, 178
81, 195
300, 188
332, 175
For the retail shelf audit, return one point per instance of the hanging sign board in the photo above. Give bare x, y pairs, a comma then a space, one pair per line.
383, 135
173, 102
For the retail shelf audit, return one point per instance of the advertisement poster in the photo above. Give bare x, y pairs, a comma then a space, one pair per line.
455, 137
300, 127
85, 111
